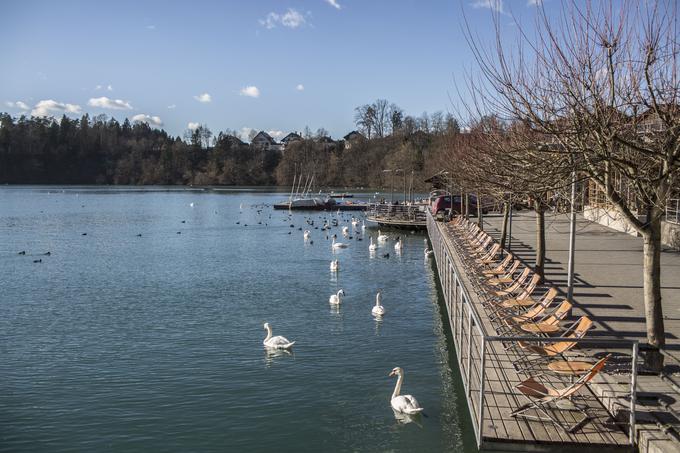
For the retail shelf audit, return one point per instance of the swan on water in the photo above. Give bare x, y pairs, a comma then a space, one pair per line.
335, 265
363, 226
405, 404
338, 245
191, 204
336, 299
372, 247
355, 222
378, 309
399, 245
307, 234
345, 230
428, 253
382, 237
277, 342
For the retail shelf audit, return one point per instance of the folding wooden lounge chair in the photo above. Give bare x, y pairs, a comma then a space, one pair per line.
490, 255
544, 399
524, 298
507, 277
518, 286
539, 315
501, 268
549, 350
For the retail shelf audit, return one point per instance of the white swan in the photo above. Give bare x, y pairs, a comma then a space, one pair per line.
406, 404
277, 342
307, 234
399, 245
335, 265
345, 230
338, 245
378, 309
382, 237
335, 299
372, 247
428, 253
355, 222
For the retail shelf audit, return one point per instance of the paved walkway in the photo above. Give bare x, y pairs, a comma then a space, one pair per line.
608, 274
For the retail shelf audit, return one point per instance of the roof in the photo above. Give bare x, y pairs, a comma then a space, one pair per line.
293, 136
353, 135
266, 136
325, 139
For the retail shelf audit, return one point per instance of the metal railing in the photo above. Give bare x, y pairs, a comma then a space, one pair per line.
473, 343
673, 211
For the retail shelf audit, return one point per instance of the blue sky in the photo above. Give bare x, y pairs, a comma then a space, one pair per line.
272, 65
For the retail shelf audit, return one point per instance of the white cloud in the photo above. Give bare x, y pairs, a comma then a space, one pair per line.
172, 106
290, 19
150, 120
300, 87
193, 126
277, 135
244, 133
251, 91
98, 87
106, 103
204, 98
109, 87
48, 107
534, 2
334, 3
494, 5
18, 105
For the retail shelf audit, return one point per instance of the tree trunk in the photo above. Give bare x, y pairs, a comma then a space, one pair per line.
652, 290
539, 268
480, 219
504, 227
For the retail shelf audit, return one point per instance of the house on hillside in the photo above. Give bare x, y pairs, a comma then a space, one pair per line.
352, 138
290, 138
232, 141
264, 141
326, 143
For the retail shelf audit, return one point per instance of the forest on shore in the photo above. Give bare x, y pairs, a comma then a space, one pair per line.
101, 150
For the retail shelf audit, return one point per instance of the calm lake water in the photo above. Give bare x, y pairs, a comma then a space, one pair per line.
120, 342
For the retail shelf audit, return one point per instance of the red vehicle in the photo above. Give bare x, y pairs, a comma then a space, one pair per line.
445, 203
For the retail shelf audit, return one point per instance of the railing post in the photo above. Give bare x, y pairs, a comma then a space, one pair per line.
480, 419
633, 393
469, 350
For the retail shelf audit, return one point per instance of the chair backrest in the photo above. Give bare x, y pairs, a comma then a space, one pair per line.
559, 314
584, 324
513, 268
503, 264
492, 252
531, 286
585, 379
549, 296
519, 281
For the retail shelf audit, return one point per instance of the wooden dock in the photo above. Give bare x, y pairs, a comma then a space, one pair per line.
489, 377
406, 216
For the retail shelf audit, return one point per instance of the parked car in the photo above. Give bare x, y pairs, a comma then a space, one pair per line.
447, 203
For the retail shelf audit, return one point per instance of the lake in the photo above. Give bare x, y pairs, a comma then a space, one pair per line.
142, 329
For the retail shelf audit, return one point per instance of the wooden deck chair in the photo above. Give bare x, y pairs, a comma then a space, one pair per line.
501, 268
535, 311
522, 287
483, 248
490, 255
557, 316
512, 288
544, 399
507, 277
549, 350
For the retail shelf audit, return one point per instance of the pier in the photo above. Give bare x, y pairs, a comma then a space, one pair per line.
490, 376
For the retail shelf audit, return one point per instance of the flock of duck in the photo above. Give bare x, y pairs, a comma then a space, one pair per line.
401, 404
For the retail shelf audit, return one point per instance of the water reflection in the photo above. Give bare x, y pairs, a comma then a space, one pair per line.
378, 323
272, 355
405, 419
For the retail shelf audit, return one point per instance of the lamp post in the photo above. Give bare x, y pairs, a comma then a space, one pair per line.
404, 175
391, 185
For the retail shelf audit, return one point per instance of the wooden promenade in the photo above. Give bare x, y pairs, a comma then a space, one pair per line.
489, 376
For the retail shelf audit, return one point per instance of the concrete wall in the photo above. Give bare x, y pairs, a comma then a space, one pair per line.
670, 232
